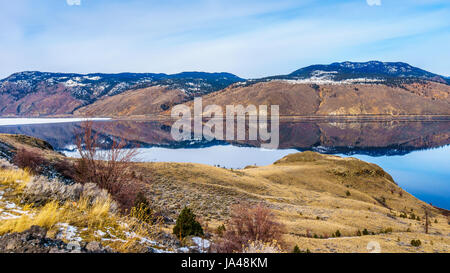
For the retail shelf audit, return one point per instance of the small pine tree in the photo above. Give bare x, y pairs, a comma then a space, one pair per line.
348, 193
296, 249
358, 233
416, 243
365, 232
187, 225
337, 234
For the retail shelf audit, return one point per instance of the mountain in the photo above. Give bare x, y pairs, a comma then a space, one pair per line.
35, 93
363, 72
344, 89
299, 98
347, 88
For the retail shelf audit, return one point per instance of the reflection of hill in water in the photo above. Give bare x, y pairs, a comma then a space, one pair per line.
373, 138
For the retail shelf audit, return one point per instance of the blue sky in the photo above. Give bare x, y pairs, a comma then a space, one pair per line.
249, 38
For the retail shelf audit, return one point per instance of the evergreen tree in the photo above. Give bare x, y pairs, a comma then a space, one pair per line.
187, 225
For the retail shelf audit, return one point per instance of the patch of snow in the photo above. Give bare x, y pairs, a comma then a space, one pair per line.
201, 243
148, 241
27, 121
318, 73
10, 205
157, 250
323, 80
96, 78
7, 216
68, 232
72, 83
184, 249
99, 233
113, 240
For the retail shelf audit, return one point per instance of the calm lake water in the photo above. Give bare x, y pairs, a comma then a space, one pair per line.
416, 154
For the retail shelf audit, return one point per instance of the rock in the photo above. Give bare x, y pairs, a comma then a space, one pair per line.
94, 247
37, 232
34, 240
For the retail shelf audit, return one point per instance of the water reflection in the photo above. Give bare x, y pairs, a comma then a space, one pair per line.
371, 138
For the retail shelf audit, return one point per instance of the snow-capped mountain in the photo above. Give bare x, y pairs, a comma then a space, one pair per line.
35, 93
362, 72
91, 86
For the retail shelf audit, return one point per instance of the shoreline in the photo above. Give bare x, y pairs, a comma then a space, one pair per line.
283, 118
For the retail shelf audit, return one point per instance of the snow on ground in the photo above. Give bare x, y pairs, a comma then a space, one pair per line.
96, 78
71, 83
26, 121
320, 80
202, 244
68, 232
9, 210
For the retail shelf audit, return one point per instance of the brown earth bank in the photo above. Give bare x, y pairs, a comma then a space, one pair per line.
150, 100
314, 195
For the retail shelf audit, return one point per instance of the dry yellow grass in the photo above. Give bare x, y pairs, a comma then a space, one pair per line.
308, 192
17, 178
86, 217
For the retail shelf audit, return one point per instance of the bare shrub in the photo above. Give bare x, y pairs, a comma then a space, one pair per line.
108, 168
29, 159
249, 224
65, 168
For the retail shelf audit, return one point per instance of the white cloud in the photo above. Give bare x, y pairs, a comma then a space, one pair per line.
239, 39
374, 2
73, 2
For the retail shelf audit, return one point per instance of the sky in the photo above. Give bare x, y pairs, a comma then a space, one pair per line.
248, 38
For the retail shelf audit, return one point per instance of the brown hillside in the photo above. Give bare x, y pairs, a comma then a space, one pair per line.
347, 99
46, 102
152, 100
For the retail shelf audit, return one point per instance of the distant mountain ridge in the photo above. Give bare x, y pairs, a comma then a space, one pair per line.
375, 71
34, 93
91, 86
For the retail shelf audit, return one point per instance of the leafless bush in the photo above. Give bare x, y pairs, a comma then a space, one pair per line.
249, 224
29, 159
65, 168
107, 168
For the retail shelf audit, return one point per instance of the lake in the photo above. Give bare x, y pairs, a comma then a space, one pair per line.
416, 153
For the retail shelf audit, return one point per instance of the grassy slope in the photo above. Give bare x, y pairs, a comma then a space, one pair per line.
308, 191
